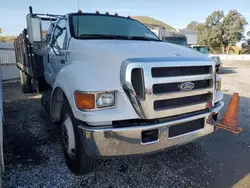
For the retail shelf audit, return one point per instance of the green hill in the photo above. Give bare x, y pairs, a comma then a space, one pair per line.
149, 20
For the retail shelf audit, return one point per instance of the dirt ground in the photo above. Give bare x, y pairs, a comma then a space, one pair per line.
33, 155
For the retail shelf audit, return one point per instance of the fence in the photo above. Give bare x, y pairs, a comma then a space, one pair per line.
8, 67
235, 57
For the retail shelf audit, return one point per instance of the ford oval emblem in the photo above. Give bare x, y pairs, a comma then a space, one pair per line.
186, 86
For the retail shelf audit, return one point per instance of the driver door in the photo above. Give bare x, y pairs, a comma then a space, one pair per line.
57, 54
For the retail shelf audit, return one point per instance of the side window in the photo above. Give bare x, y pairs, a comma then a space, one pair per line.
49, 33
59, 36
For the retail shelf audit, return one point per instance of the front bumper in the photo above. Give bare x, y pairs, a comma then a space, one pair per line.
110, 142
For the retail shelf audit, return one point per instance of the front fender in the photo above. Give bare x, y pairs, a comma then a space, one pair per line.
84, 77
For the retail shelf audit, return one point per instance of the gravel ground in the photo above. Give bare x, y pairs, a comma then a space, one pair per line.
33, 155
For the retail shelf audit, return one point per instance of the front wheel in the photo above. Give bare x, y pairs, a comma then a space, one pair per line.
77, 160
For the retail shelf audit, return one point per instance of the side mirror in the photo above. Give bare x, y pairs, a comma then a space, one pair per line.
56, 49
34, 27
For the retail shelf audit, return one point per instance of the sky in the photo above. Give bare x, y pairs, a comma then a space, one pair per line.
177, 13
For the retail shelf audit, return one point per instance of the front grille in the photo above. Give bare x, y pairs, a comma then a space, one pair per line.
153, 87
186, 127
180, 71
181, 102
173, 87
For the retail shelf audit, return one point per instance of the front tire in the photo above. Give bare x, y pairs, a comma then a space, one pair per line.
77, 160
25, 82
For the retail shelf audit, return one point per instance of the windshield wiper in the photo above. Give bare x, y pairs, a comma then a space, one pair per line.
100, 36
117, 37
142, 38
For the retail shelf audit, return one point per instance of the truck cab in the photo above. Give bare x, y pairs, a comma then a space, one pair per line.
115, 88
205, 50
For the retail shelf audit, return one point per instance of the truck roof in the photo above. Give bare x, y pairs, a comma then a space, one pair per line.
100, 14
54, 17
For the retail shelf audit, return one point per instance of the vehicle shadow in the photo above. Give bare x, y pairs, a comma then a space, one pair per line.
26, 128
227, 155
227, 70
32, 142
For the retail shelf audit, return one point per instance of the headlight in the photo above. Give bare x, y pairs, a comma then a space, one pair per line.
94, 100
104, 100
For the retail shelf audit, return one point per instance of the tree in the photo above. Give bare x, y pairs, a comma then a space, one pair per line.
246, 45
233, 29
192, 25
215, 19
214, 30
220, 32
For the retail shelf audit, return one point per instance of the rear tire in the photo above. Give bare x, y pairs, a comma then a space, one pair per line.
25, 82
77, 160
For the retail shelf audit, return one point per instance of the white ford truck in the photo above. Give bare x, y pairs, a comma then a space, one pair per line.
114, 88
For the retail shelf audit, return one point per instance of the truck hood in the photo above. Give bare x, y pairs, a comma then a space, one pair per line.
100, 60
124, 49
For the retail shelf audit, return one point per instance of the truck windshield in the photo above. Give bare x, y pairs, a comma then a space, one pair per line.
94, 26
175, 40
202, 49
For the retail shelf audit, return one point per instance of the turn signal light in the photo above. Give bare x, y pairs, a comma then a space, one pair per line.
85, 101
